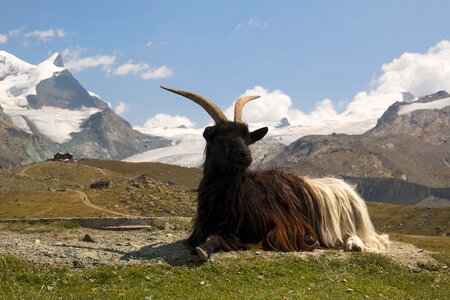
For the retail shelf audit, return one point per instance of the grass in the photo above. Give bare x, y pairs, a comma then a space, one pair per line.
432, 243
148, 201
409, 219
243, 276
178, 175
47, 190
38, 226
170, 194
362, 275
43, 204
67, 173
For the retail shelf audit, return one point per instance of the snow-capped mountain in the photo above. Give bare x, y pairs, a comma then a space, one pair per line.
188, 145
45, 102
410, 142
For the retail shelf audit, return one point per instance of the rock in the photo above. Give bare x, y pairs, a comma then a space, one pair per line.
349, 290
88, 238
78, 264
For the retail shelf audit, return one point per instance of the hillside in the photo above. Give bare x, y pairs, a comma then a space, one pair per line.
51, 260
114, 188
97, 188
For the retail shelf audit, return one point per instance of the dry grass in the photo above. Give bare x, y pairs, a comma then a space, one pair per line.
410, 220
38, 204
178, 175
432, 243
169, 193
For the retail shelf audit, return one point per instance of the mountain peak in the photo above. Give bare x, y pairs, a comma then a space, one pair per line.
11, 65
58, 60
54, 60
284, 122
408, 97
6, 57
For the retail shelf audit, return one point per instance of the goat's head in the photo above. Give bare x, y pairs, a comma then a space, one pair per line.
227, 143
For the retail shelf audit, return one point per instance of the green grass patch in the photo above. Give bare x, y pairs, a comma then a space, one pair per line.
245, 277
443, 258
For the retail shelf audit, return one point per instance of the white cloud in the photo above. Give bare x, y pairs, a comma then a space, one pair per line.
131, 68
160, 72
3, 38
121, 108
272, 106
250, 24
144, 70
168, 121
418, 73
16, 32
45, 35
91, 62
75, 62
148, 44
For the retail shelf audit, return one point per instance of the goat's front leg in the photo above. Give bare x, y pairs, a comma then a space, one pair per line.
211, 245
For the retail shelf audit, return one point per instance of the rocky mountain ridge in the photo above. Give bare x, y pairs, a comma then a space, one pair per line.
410, 143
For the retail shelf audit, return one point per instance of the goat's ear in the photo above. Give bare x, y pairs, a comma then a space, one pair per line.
258, 134
208, 132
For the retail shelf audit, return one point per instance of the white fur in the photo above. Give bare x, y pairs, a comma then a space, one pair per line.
345, 221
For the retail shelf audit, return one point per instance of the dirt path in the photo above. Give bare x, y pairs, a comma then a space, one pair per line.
102, 171
24, 169
85, 199
144, 247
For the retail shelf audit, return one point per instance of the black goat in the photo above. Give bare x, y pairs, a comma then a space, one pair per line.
240, 209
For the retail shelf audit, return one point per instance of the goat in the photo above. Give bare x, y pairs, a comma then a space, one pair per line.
239, 209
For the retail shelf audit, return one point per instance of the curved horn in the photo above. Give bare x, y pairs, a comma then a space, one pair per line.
212, 109
240, 105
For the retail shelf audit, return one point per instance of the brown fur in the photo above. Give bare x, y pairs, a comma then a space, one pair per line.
245, 209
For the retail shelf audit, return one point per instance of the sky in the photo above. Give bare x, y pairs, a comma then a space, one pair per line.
310, 59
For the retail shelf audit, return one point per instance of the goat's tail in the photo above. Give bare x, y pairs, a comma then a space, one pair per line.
345, 221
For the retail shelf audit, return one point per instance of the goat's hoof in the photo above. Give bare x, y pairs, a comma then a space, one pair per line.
202, 254
354, 244
353, 247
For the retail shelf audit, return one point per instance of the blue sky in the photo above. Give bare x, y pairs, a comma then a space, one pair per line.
308, 50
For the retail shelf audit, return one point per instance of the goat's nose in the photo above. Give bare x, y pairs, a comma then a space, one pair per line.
243, 157
244, 154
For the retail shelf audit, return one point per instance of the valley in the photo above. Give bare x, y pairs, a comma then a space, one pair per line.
94, 188
52, 251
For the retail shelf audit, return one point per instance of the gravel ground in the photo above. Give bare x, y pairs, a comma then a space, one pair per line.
73, 248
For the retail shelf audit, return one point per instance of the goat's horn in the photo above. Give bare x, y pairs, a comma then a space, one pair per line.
240, 105
212, 109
